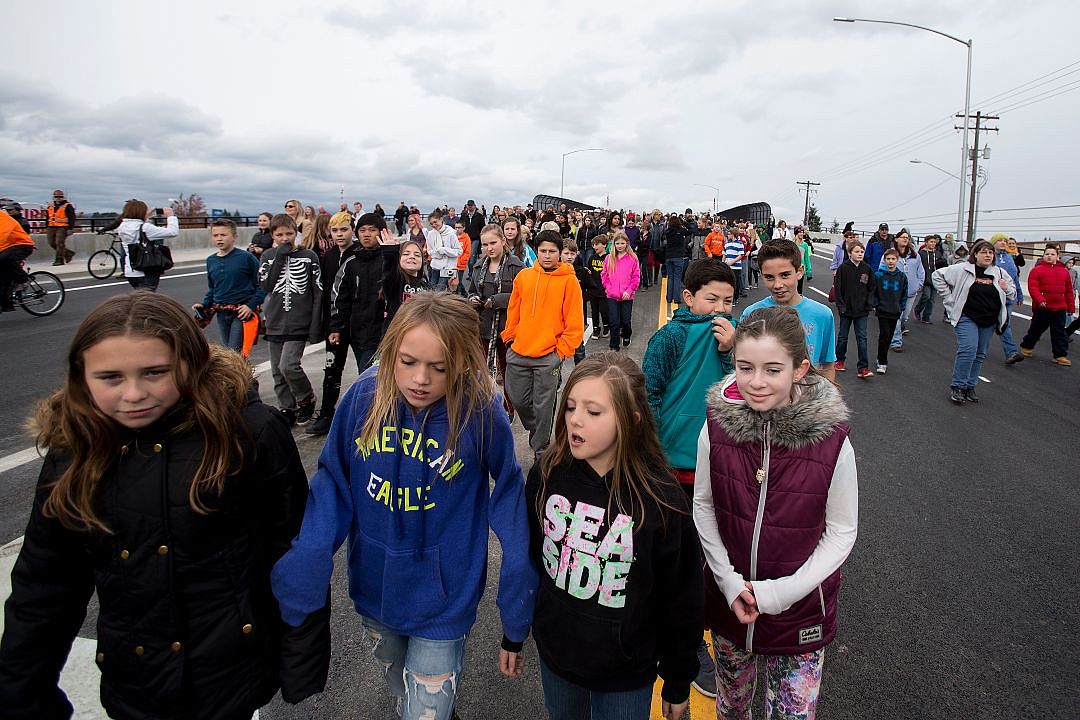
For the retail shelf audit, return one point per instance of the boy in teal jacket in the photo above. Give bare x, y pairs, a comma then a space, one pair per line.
684, 358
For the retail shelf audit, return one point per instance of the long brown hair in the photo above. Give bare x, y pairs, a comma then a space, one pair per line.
213, 384
469, 389
641, 468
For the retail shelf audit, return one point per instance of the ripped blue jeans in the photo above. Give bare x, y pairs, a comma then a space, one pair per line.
422, 675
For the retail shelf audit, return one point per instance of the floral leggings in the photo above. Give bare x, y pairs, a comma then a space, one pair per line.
791, 692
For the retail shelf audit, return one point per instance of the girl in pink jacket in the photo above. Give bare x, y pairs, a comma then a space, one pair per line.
620, 275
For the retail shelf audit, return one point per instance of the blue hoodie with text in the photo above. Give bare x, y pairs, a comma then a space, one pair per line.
416, 516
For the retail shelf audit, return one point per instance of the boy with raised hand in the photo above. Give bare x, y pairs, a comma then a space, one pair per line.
358, 308
781, 268
544, 326
232, 280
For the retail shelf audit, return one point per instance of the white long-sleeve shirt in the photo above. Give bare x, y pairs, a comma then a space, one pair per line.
777, 595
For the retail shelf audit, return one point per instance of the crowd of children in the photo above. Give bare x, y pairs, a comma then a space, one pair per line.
625, 539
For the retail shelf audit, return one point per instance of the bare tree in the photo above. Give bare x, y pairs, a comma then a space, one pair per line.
190, 210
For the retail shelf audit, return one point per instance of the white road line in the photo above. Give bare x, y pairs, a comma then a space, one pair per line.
986, 380
124, 282
16, 459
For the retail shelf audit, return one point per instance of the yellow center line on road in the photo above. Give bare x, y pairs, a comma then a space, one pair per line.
664, 307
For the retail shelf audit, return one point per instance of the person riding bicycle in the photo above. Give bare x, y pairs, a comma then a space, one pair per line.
15, 246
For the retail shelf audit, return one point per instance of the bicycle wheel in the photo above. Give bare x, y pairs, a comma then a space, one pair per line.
102, 264
42, 294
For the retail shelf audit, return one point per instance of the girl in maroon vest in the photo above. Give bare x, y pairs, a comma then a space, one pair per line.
776, 507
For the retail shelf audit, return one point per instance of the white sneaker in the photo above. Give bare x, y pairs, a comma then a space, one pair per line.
881, 369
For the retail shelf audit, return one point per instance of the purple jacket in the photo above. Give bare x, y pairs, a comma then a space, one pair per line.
770, 506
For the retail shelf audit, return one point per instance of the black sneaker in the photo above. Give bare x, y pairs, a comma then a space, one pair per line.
305, 411
969, 395
605, 332
957, 395
1014, 358
626, 342
320, 425
289, 414
705, 682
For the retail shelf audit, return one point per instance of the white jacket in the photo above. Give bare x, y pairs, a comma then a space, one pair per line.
443, 247
954, 282
129, 234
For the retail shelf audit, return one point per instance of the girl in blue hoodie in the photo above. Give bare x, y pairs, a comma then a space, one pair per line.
404, 477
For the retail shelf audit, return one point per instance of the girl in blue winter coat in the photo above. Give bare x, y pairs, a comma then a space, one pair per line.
404, 477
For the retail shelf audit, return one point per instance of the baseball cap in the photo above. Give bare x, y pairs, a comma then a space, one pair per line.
883, 226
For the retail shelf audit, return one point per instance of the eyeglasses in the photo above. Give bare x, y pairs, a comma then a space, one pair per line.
290, 207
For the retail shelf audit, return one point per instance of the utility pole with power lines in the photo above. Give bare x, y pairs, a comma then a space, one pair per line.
806, 209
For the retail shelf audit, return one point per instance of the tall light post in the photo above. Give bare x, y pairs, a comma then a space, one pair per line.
716, 197
562, 175
967, 107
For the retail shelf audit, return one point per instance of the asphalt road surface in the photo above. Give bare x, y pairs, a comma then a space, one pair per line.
960, 599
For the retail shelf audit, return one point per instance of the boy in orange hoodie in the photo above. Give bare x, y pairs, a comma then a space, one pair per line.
714, 241
544, 326
463, 259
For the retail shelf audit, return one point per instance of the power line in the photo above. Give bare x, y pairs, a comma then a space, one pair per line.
881, 160
1024, 86
1045, 96
910, 137
926, 192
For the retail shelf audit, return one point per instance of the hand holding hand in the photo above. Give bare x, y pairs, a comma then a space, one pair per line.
511, 664
745, 606
671, 711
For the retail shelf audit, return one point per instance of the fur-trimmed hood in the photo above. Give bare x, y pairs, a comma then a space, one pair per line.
810, 418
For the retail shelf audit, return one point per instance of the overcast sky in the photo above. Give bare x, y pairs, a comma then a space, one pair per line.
250, 103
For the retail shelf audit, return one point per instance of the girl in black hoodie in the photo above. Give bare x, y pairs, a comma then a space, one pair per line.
621, 588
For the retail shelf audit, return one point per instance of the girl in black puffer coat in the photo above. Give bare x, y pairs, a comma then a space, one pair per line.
171, 490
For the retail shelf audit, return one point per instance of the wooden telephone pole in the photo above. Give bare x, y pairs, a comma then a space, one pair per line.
806, 209
979, 119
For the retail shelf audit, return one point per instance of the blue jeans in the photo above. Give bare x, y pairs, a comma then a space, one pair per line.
674, 268
1008, 344
231, 328
423, 675
924, 308
971, 344
901, 324
860, 339
566, 701
620, 313
437, 281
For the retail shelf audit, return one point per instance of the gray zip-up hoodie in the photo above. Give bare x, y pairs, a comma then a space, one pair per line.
954, 282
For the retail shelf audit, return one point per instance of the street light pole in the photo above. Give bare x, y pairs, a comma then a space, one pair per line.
967, 107
924, 162
716, 197
562, 175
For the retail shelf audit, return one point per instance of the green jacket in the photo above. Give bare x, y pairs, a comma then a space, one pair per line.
680, 364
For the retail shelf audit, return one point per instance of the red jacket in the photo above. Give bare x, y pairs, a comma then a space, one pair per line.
1051, 284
